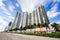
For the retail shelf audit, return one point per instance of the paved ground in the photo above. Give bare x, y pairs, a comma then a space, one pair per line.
12, 36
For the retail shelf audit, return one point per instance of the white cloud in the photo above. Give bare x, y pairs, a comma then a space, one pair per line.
11, 17
2, 6
29, 5
4, 20
53, 12
2, 28
56, 0
5, 10
58, 21
1, 3
54, 8
11, 8
3, 23
17, 4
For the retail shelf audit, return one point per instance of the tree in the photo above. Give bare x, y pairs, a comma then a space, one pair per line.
24, 28
55, 25
39, 24
21, 28
28, 27
34, 24
45, 25
15, 29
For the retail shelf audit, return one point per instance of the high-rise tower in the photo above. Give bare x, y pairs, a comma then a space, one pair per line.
44, 15
17, 20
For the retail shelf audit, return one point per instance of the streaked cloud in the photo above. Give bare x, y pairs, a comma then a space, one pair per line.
53, 12
11, 17
5, 10
5, 14
29, 5
11, 7
58, 21
3, 23
17, 4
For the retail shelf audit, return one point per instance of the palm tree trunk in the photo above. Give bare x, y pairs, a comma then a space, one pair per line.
46, 29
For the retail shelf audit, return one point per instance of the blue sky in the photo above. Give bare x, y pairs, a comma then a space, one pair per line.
8, 9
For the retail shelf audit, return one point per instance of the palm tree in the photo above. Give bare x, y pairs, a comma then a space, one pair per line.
15, 29
30, 27
55, 25
39, 24
45, 25
21, 28
25, 28
34, 24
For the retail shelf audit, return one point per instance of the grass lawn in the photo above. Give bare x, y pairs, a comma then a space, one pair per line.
53, 34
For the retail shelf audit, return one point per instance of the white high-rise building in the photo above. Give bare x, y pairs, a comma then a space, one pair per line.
17, 20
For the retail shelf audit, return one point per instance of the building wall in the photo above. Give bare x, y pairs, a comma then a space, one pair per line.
38, 16
24, 19
41, 16
35, 17
27, 19
32, 19
44, 15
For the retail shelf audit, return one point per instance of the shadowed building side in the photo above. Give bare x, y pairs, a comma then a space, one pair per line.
44, 14
35, 17
32, 19
27, 19
38, 16
40, 13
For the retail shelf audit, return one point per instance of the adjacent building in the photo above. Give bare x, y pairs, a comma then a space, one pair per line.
9, 26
